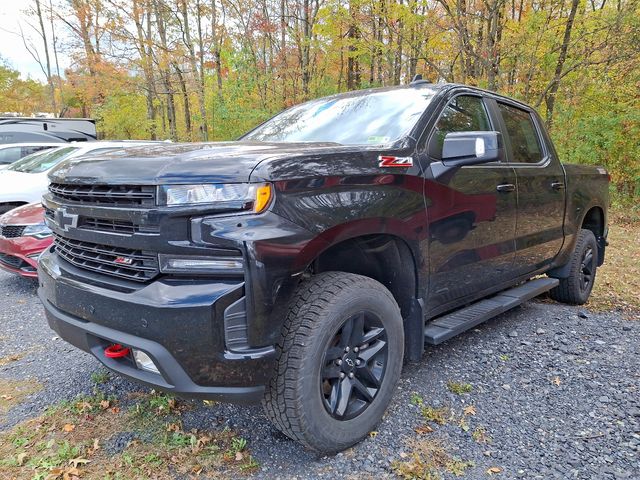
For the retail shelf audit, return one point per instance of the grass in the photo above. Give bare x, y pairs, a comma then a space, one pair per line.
427, 460
459, 388
12, 392
71, 439
618, 280
100, 376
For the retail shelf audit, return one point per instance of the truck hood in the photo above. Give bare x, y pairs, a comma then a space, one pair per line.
217, 162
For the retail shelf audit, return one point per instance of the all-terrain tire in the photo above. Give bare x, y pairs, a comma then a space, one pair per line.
295, 401
575, 289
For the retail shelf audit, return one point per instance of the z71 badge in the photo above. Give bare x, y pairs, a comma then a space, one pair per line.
390, 161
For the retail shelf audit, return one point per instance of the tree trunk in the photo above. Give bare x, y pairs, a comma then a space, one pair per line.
550, 97
43, 33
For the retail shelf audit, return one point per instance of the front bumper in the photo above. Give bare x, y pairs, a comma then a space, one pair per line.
178, 323
20, 255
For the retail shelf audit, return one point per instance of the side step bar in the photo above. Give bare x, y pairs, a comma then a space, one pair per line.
443, 328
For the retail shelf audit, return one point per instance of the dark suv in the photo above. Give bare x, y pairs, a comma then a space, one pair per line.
303, 263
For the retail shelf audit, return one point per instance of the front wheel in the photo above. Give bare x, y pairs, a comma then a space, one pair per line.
338, 361
576, 288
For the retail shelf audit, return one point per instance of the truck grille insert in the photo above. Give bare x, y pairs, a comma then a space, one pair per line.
11, 231
115, 261
132, 195
103, 225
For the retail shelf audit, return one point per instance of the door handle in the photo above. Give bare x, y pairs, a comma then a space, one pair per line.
506, 187
557, 185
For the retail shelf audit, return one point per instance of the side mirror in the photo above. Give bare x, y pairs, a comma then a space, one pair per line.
471, 148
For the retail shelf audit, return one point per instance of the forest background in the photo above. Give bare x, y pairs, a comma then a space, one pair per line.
204, 70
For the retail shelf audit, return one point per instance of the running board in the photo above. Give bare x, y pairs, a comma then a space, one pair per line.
443, 328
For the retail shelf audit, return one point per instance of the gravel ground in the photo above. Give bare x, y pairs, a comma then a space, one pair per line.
555, 388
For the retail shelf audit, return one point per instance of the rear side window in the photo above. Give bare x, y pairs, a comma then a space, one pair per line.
465, 113
525, 142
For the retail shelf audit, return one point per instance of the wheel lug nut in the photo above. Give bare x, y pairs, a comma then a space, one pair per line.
346, 349
358, 362
351, 375
341, 374
356, 349
338, 362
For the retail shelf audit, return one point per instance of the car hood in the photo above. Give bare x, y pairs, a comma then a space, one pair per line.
22, 187
217, 162
32, 213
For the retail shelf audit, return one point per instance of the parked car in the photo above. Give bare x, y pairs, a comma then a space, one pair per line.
62, 130
304, 263
26, 180
11, 152
23, 237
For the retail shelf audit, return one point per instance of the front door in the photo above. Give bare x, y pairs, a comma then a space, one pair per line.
471, 215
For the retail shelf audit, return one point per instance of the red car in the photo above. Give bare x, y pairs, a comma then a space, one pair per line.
23, 237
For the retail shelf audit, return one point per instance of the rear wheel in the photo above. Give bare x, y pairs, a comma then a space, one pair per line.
339, 359
576, 288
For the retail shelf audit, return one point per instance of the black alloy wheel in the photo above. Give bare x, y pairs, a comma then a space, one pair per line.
587, 269
354, 366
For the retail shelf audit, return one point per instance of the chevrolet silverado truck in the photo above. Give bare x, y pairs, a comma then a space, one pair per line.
303, 264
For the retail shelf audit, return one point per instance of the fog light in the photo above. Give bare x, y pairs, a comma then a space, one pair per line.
186, 264
144, 362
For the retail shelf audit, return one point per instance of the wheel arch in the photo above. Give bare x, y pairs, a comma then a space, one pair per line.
390, 260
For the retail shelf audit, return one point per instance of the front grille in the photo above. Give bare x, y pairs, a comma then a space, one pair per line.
115, 261
104, 225
130, 195
11, 231
11, 261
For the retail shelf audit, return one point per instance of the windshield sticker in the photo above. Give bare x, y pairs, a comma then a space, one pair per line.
378, 139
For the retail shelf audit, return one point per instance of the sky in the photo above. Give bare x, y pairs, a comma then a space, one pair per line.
12, 49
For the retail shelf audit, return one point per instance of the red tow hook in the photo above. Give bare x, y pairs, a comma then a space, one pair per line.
116, 351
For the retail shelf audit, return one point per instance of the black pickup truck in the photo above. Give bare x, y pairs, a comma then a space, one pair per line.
302, 264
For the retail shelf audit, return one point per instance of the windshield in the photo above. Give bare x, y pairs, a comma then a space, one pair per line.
42, 161
367, 119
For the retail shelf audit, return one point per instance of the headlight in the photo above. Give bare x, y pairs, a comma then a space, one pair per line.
231, 196
39, 231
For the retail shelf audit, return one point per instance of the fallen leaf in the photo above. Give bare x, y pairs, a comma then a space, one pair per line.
71, 474
114, 409
21, 457
557, 381
470, 410
78, 461
68, 427
373, 434
83, 406
239, 456
105, 404
173, 427
403, 455
494, 470
422, 429
6, 397
96, 447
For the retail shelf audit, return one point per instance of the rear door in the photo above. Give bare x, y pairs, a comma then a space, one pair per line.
471, 215
541, 189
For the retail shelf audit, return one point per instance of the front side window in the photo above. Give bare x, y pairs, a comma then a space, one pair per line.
465, 113
10, 155
42, 161
370, 118
525, 144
